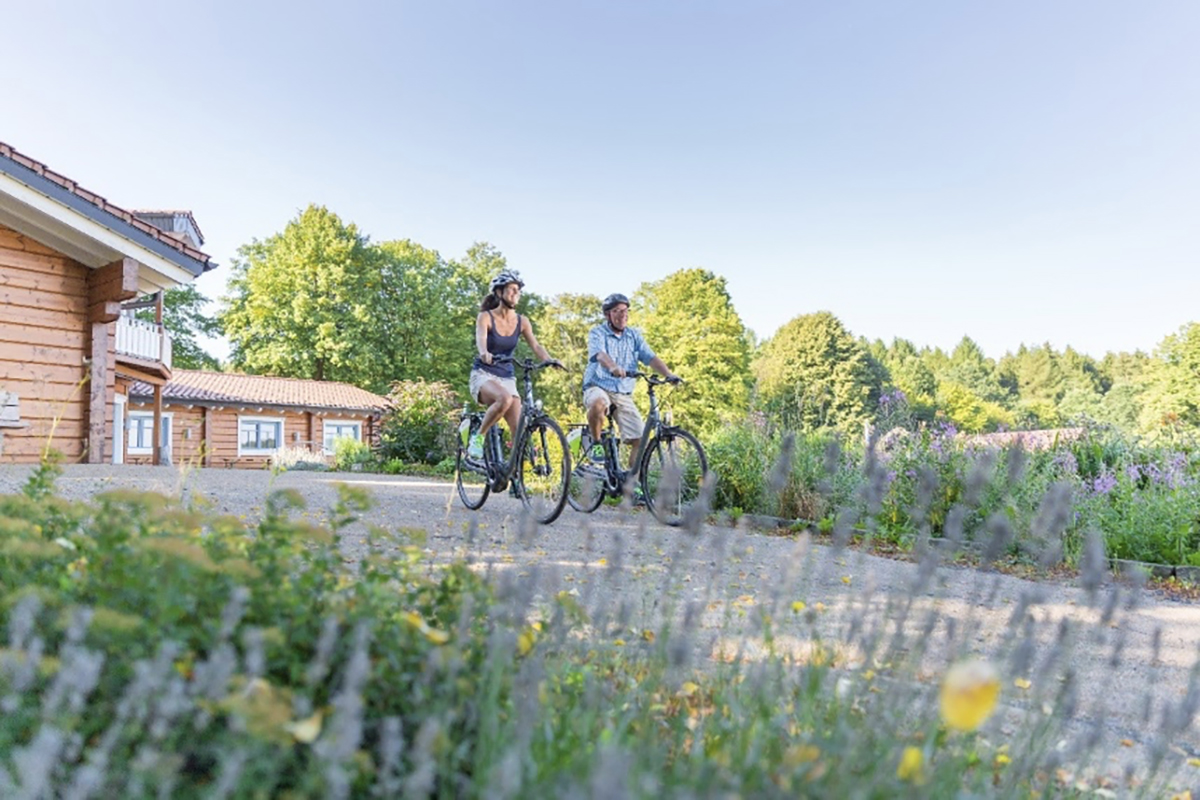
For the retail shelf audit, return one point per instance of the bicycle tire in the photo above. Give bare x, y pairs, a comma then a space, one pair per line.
585, 492
473, 488
671, 474
545, 470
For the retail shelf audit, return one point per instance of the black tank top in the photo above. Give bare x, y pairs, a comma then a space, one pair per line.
499, 345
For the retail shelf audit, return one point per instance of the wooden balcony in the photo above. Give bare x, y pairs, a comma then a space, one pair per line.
144, 346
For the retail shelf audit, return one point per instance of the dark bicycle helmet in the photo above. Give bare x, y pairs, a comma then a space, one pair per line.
506, 277
613, 300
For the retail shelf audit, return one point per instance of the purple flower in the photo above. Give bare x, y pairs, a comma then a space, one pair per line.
1133, 472
1104, 483
1065, 461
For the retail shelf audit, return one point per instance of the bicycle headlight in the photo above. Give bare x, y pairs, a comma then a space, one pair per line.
537, 405
667, 417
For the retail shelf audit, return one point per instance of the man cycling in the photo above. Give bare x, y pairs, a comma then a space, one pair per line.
613, 351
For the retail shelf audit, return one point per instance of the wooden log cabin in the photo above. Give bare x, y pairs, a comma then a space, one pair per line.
69, 260
221, 419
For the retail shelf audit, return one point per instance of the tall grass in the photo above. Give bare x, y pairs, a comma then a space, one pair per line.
156, 650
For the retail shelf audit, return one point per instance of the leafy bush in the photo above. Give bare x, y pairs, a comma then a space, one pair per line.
168, 652
420, 424
349, 453
740, 456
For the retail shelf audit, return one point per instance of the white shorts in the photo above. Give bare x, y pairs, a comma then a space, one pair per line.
629, 420
479, 378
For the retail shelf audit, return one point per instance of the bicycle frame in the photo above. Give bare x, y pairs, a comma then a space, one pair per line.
618, 474
500, 470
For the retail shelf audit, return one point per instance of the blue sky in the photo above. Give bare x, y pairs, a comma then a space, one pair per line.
1016, 172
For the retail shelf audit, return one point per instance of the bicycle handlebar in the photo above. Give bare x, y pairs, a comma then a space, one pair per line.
654, 380
528, 364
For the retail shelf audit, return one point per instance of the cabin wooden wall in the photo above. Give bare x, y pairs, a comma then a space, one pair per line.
44, 338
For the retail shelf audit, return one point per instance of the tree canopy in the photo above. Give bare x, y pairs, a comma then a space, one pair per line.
814, 374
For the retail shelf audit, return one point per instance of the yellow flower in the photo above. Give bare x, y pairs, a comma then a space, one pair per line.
798, 606
525, 642
1022, 683
305, 731
910, 766
846, 579
969, 694
432, 634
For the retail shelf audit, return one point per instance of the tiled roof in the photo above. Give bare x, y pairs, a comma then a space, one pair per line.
99, 202
216, 388
169, 213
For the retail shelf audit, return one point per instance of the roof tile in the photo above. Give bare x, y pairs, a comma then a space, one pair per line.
233, 388
74, 188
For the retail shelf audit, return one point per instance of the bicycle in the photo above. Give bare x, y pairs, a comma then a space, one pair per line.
539, 447
671, 464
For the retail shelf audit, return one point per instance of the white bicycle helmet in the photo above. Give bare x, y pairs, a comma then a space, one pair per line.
506, 277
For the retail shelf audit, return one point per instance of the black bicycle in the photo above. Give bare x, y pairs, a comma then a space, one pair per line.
539, 467
670, 467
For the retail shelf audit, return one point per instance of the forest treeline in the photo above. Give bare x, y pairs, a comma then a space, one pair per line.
321, 300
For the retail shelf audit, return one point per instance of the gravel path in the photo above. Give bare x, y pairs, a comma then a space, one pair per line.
630, 571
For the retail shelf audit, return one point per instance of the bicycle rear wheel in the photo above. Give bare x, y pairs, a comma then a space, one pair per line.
672, 472
472, 486
545, 470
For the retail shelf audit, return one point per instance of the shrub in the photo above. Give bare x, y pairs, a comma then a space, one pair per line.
420, 424
349, 454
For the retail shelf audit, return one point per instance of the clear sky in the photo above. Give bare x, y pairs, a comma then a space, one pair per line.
1016, 172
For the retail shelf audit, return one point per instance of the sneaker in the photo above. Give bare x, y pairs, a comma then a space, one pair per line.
595, 454
475, 446
637, 498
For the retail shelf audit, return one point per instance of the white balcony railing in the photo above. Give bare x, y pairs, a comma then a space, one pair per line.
143, 340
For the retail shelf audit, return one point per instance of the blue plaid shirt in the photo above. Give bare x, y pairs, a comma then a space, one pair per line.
626, 348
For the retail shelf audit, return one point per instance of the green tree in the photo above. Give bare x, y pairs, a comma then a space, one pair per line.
184, 319
562, 326
299, 303
814, 374
689, 321
1172, 399
424, 311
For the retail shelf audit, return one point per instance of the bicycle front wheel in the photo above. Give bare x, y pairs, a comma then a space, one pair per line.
672, 472
545, 470
586, 490
472, 484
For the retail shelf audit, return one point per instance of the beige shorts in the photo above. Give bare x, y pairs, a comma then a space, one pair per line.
479, 378
628, 418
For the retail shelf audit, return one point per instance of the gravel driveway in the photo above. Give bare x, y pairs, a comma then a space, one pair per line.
630, 571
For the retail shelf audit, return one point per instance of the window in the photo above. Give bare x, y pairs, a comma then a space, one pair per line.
141, 433
341, 429
259, 435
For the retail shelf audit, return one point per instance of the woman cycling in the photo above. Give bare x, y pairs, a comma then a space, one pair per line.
497, 329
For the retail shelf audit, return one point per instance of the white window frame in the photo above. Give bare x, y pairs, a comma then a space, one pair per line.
168, 430
259, 451
328, 447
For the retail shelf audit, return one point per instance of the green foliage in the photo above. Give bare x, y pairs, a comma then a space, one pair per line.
184, 318
740, 456
970, 412
419, 425
813, 374
300, 302
562, 326
351, 454
689, 321
252, 641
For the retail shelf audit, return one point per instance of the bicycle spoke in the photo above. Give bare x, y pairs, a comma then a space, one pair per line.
544, 471
672, 472
471, 479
